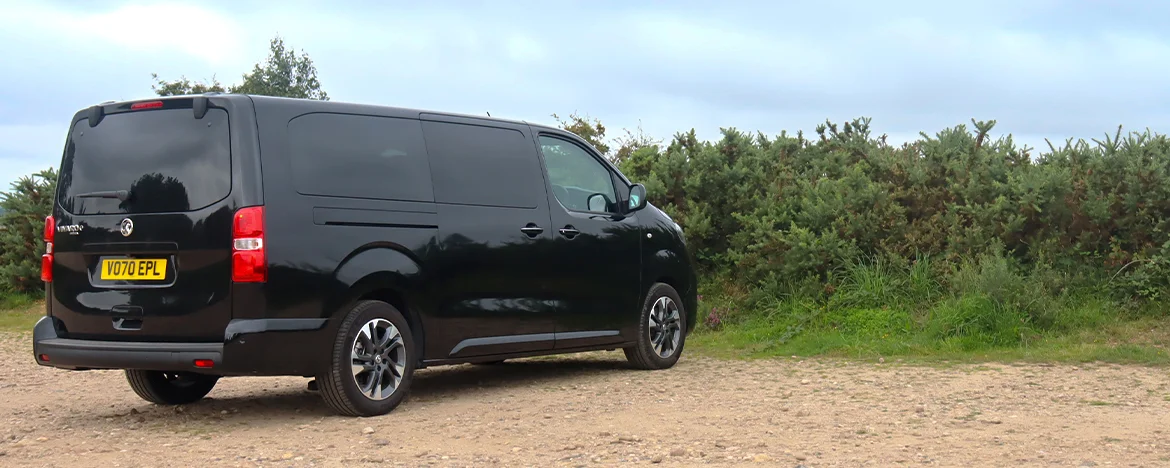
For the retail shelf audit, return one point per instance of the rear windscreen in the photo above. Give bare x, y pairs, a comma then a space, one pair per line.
149, 161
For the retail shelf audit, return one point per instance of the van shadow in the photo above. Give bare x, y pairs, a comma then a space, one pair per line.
289, 403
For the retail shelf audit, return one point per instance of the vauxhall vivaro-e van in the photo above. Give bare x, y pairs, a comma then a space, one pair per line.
198, 237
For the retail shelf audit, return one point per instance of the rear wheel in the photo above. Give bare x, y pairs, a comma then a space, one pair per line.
170, 388
660, 332
372, 362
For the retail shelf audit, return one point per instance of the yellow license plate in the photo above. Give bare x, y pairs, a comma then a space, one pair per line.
139, 269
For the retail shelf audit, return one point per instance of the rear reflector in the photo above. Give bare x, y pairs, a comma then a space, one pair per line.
204, 363
44, 357
146, 105
249, 262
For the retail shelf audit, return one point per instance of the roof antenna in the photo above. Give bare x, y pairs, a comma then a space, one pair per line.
489, 114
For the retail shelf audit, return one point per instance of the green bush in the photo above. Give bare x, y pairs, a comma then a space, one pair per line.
835, 209
22, 228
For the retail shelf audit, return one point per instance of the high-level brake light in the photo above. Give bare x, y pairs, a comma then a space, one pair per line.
146, 105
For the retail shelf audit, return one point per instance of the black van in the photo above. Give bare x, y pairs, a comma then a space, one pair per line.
216, 235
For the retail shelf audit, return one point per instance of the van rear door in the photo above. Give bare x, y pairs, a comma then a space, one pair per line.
144, 225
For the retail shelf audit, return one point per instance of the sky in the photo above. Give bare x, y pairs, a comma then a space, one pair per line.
1041, 68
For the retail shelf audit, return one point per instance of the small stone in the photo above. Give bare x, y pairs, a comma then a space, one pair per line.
800, 457
179, 409
42, 439
656, 459
223, 412
627, 439
422, 454
516, 449
298, 458
287, 456
678, 452
920, 409
762, 458
381, 442
368, 430
804, 382
881, 360
133, 410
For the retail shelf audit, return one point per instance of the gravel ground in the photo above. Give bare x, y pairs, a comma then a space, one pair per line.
590, 410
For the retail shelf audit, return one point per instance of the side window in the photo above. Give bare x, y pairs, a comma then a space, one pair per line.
359, 156
579, 181
484, 166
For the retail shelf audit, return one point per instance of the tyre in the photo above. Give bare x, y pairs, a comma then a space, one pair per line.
372, 361
660, 331
170, 388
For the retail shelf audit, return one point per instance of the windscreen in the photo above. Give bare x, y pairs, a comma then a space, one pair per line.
149, 161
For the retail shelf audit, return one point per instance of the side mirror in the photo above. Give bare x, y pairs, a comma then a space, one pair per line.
597, 202
637, 198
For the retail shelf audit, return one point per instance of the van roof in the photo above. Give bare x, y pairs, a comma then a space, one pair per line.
339, 106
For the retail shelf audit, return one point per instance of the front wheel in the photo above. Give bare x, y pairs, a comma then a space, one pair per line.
170, 388
660, 331
373, 361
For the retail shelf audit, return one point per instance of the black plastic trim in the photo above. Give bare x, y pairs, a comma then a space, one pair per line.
499, 340
88, 354
239, 327
544, 352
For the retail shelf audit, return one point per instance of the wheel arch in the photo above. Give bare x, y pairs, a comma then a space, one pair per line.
381, 274
669, 267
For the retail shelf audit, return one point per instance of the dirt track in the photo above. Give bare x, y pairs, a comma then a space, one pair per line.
590, 410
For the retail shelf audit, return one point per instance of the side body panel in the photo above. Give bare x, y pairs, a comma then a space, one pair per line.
326, 252
493, 273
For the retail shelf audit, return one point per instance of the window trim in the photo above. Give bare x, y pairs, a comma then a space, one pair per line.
596, 158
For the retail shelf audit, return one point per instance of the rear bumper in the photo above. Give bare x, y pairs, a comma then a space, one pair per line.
251, 347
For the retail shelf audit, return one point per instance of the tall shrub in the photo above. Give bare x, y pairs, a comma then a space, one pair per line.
22, 225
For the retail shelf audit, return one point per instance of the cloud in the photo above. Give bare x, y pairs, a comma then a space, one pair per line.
1041, 68
25, 149
188, 29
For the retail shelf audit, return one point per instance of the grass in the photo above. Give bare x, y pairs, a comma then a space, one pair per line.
1136, 342
1132, 341
980, 311
18, 313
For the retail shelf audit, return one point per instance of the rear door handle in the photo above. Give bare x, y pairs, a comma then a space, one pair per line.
532, 230
569, 231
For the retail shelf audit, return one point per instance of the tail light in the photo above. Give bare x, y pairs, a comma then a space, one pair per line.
47, 258
249, 263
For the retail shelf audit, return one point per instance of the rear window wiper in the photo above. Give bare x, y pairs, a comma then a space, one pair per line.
121, 195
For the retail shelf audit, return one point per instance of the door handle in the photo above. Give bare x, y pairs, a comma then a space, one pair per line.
532, 230
569, 231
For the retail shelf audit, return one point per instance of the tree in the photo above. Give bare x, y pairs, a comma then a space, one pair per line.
283, 74
590, 129
183, 86
22, 225
632, 142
